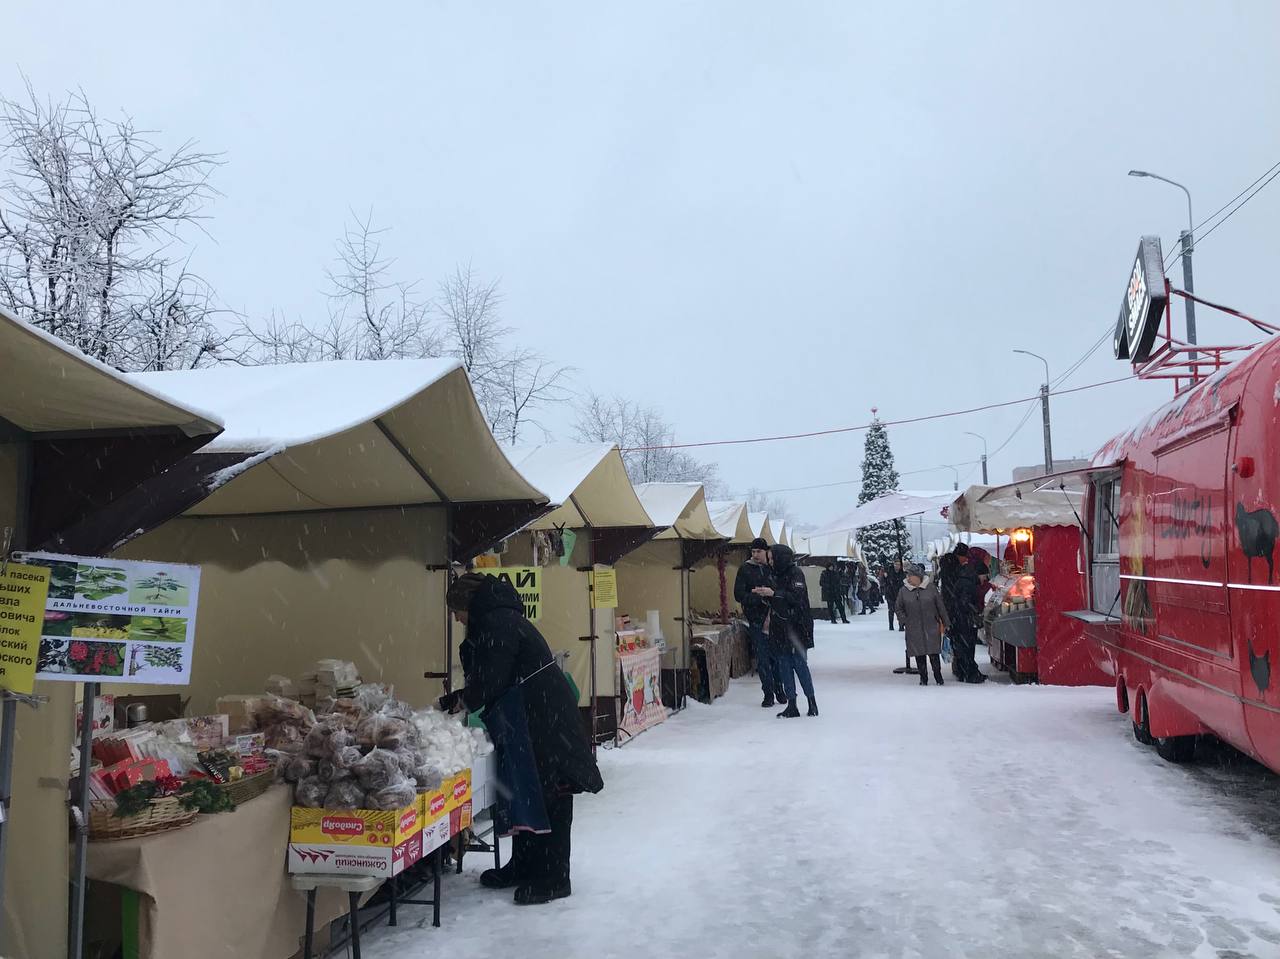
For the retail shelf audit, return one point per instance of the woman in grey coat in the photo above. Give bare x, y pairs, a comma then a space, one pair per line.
920, 609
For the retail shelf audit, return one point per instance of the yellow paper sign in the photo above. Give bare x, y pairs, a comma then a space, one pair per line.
23, 592
604, 588
527, 581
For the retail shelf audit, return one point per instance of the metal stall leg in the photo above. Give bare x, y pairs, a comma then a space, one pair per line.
308, 940
354, 899
435, 896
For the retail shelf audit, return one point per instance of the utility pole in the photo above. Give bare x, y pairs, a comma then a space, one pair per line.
1188, 245
1044, 411
984, 453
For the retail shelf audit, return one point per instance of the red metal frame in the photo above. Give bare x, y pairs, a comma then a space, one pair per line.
1188, 364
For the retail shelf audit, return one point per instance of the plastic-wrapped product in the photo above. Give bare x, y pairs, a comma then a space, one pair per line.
378, 770
297, 768
311, 792
427, 777
326, 741
346, 794
397, 794
331, 772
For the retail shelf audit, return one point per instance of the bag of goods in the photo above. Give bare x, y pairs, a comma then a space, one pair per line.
395, 796
347, 794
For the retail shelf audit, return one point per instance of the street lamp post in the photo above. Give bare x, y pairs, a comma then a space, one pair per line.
984, 454
1188, 245
955, 483
1044, 411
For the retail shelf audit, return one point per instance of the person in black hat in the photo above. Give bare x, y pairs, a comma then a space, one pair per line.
965, 617
833, 592
753, 574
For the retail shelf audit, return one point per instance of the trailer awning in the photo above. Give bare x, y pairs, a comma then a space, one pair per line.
986, 509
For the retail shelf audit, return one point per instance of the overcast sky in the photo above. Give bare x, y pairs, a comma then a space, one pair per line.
760, 217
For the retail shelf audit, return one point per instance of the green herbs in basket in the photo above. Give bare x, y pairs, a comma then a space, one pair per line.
200, 795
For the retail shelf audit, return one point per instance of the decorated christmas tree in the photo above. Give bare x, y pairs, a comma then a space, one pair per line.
884, 542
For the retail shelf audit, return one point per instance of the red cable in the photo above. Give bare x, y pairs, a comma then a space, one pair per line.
854, 429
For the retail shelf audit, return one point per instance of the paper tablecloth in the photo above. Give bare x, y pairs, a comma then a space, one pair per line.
216, 889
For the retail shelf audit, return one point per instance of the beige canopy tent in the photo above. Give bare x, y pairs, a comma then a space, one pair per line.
656, 575
600, 520
705, 581
326, 516
760, 527
75, 435
992, 509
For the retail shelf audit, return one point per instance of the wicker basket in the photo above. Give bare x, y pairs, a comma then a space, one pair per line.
161, 815
250, 787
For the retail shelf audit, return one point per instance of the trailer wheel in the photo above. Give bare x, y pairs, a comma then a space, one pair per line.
1176, 749
1142, 722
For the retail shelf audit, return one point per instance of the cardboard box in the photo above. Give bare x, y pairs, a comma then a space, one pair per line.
457, 790
435, 835
354, 860
355, 827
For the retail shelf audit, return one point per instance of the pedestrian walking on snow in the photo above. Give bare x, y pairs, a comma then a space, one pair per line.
832, 593
791, 629
924, 617
752, 575
891, 584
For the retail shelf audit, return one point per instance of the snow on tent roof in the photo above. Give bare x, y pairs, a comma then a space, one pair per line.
834, 545
731, 520
896, 504
593, 474
990, 508
343, 434
760, 527
49, 386
783, 534
679, 508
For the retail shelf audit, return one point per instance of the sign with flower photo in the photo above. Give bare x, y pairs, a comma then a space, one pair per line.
118, 621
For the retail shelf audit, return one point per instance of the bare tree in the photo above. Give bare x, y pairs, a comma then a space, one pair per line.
370, 316
526, 382
776, 506
92, 216
643, 434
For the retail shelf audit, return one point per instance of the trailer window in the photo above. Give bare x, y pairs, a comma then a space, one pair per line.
1104, 581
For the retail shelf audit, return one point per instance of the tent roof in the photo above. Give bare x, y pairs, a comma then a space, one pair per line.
731, 520
346, 434
990, 508
51, 387
896, 504
836, 545
760, 527
681, 508
587, 480
784, 534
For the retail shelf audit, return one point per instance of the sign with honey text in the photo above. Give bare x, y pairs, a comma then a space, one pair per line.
604, 588
117, 621
527, 581
23, 593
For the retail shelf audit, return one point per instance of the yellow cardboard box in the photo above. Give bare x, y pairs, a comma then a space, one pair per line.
363, 827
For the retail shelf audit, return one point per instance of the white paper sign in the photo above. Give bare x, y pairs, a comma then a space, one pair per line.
117, 621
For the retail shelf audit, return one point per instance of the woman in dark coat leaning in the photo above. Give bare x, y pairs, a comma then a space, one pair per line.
544, 753
924, 615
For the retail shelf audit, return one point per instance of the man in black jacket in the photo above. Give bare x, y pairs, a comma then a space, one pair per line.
964, 627
832, 592
893, 582
791, 629
506, 662
752, 574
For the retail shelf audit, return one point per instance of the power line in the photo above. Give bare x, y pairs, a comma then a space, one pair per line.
1236, 208
1269, 174
1214, 214
864, 426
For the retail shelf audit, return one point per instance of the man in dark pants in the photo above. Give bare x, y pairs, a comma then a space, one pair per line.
832, 592
754, 573
893, 580
964, 628
544, 754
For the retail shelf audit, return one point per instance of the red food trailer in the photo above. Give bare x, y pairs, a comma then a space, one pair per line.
1183, 603
1040, 579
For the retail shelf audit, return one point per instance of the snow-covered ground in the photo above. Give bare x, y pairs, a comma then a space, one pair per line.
988, 822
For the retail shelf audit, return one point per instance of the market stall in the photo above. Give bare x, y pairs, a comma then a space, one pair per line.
75, 437
323, 522
762, 528
711, 584
815, 553
1039, 578
653, 580
574, 548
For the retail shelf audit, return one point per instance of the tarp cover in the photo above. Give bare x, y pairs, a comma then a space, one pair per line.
593, 474
990, 508
680, 507
347, 434
827, 545
731, 520
897, 504
760, 527
50, 387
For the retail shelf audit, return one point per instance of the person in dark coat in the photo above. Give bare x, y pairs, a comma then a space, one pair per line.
832, 592
964, 618
752, 574
507, 663
923, 614
791, 629
891, 583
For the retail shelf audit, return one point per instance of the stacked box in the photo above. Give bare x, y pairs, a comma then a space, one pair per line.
352, 859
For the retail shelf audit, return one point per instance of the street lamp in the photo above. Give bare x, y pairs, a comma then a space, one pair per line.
1044, 411
984, 454
955, 484
1188, 245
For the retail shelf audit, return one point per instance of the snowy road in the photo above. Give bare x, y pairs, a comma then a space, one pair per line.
992, 821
